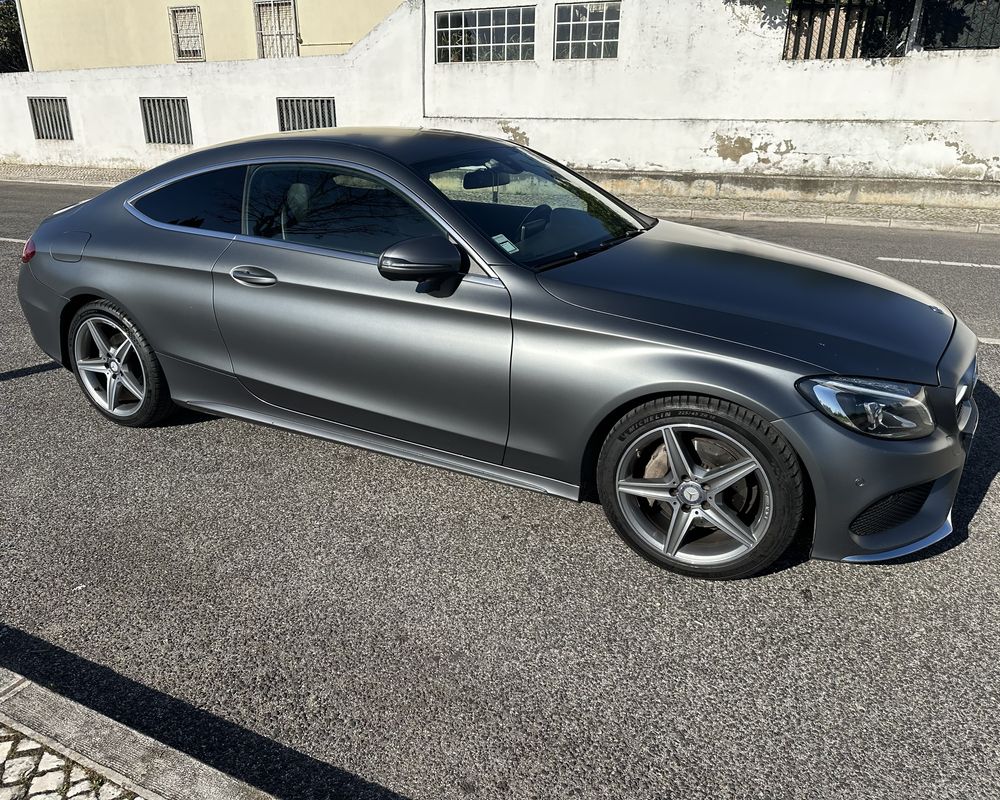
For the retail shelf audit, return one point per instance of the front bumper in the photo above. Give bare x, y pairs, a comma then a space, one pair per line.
850, 472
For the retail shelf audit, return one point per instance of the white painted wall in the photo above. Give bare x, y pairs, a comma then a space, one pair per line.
699, 87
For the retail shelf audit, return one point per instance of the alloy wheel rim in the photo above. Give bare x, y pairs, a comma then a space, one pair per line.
694, 494
109, 366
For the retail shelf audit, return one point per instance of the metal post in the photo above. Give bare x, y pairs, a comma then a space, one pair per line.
914, 32
24, 35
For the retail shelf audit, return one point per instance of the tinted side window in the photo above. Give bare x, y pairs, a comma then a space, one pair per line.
326, 207
211, 201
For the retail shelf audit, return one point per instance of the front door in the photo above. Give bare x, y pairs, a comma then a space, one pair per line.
313, 327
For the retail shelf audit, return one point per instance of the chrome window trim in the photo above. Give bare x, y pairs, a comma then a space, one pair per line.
474, 255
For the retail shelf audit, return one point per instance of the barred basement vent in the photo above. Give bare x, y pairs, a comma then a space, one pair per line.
304, 113
166, 120
50, 117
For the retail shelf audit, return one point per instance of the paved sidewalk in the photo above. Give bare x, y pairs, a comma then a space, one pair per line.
31, 771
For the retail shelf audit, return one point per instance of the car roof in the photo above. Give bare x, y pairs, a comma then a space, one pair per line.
406, 145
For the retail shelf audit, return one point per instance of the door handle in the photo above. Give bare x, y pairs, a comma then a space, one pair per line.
252, 276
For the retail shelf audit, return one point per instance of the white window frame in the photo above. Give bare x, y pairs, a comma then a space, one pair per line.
280, 35
175, 34
485, 24
588, 40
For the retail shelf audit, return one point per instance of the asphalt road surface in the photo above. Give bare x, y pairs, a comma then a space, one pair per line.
322, 622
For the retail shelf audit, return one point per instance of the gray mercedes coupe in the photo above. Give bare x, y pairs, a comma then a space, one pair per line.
471, 304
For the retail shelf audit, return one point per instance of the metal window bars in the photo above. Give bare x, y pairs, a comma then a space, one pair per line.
50, 118
305, 113
166, 120
277, 36
186, 32
841, 29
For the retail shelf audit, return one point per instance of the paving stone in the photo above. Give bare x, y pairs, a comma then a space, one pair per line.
49, 782
109, 792
4, 750
26, 744
77, 774
13, 792
79, 787
50, 761
17, 769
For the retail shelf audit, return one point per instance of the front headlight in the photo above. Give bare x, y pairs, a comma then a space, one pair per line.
886, 409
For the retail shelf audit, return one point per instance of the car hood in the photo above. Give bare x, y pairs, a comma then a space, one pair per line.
838, 317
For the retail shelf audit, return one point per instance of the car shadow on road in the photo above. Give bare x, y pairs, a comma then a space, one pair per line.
24, 372
237, 751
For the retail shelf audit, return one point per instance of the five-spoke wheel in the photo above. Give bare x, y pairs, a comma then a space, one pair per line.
115, 366
701, 486
109, 366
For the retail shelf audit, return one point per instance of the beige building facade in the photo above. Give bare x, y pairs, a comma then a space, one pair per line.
84, 34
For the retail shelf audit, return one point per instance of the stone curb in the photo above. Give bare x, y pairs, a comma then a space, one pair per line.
118, 753
830, 219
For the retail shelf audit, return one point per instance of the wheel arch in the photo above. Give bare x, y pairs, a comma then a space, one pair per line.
610, 415
77, 300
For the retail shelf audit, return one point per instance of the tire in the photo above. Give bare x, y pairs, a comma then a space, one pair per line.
106, 346
729, 510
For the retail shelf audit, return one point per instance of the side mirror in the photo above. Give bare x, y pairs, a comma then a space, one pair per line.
420, 259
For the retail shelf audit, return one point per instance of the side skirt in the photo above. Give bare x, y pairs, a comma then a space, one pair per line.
334, 432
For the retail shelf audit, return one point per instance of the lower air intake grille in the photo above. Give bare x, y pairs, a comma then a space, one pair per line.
890, 511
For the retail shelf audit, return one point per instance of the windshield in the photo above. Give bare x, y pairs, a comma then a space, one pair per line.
536, 213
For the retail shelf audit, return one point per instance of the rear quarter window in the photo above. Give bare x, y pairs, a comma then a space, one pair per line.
211, 201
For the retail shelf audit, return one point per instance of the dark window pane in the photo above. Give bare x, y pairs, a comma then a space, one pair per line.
593, 49
441, 20
528, 15
579, 33
513, 16
613, 12
595, 13
578, 50
470, 19
332, 209
485, 35
211, 201
611, 30
562, 13
528, 33
579, 13
595, 31
528, 52
562, 51
513, 35
562, 33
611, 49
484, 18
442, 38
469, 54
499, 17
456, 19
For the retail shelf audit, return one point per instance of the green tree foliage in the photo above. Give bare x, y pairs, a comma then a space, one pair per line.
12, 58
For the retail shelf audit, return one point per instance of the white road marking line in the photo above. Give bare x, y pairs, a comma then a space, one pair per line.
988, 341
15, 241
937, 263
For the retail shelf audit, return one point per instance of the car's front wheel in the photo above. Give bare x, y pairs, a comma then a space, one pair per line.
116, 368
701, 486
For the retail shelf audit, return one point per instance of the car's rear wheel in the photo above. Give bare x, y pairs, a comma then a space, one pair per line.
116, 367
701, 486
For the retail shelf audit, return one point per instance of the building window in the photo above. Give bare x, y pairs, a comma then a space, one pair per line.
166, 120
847, 29
587, 30
277, 36
185, 29
486, 34
50, 117
306, 113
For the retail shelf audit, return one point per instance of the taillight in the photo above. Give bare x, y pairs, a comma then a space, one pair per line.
28, 252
